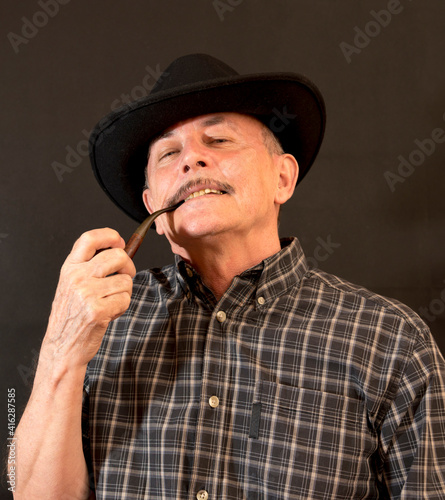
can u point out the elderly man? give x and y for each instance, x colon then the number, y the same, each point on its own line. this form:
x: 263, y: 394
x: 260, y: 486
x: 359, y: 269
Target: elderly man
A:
x: 237, y: 372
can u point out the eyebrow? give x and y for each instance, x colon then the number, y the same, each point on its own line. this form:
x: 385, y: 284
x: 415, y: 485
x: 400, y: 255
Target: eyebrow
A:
x: 214, y: 120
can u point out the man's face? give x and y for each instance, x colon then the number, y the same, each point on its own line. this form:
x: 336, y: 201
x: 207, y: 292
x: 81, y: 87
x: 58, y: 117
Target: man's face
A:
x: 222, y: 163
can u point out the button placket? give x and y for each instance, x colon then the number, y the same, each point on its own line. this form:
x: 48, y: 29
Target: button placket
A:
x: 211, y: 415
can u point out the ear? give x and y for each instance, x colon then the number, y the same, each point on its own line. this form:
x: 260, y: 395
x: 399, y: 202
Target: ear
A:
x: 288, y: 175
x: 148, y: 202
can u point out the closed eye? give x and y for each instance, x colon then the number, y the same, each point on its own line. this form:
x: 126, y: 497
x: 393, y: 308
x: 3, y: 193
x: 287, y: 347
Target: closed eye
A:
x: 218, y: 140
x: 167, y: 154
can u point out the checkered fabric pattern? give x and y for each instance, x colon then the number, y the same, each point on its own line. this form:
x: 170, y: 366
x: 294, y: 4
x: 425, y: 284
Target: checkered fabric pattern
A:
x: 294, y: 385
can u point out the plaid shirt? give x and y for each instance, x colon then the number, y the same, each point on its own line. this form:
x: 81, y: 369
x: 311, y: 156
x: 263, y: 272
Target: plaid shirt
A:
x: 294, y: 385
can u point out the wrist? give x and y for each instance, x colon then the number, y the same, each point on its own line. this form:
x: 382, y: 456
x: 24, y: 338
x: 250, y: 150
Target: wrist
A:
x: 54, y: 369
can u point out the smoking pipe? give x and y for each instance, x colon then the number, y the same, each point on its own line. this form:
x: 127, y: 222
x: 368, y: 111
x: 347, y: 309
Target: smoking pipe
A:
x: 138, y: 236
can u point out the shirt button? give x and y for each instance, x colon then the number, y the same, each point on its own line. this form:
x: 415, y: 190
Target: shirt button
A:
x: 214, y: 402
x: 202, y: 495
x: 221, y: 316
x: 261, y: 300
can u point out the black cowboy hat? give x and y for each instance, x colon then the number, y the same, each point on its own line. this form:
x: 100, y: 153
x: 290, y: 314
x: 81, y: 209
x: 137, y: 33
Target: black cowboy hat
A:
x: 193, y: 85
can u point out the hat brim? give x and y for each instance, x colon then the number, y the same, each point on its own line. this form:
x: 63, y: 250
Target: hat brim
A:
x: 289, y: 104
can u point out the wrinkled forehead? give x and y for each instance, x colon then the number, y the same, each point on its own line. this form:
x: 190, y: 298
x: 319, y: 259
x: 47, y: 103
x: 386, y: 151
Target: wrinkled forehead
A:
x: 235, y: 121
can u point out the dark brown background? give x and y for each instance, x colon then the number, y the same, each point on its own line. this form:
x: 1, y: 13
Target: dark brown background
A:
x: 58, y: 80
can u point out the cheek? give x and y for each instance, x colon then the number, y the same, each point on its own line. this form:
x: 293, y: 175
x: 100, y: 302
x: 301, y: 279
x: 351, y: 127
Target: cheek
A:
x: 240, y: 169
x: 157, y: 187
x: 257, y: 180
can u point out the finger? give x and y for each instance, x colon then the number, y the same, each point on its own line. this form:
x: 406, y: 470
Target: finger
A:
x: 95, y: 302
x: 114, y: 285
x: 95, y: 316
x: 86, y: 247
x: 129, y: 268
x: 116, y: 304
x: 111, y: 261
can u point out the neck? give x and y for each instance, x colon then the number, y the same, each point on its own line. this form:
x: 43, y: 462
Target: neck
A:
x: 219, y: 260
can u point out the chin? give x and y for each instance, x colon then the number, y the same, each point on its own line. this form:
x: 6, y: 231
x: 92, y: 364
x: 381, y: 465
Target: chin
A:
x: 196, y: 229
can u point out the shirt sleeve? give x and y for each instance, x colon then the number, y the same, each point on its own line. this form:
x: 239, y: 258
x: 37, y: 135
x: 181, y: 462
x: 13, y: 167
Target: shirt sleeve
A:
x: 86, y: 431
x: 413, y: 431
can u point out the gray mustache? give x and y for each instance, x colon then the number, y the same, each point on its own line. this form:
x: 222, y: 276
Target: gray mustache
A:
x: 199, y: 181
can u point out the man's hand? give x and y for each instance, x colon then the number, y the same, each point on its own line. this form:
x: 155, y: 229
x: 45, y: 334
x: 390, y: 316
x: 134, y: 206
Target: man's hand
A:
x: 94, y: 288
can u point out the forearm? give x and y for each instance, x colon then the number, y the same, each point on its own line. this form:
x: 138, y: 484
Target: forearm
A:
x: 94, y: 288
x: 50, y: 461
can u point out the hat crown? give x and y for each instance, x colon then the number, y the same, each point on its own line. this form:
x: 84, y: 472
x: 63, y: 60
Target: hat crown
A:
x: 191, y: 69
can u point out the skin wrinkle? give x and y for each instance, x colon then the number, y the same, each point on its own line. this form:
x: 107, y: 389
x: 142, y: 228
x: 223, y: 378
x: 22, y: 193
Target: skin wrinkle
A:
x: 271, y: 142
x: 218, y: 235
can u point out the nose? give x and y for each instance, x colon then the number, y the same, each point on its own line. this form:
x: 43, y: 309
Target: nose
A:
x: 199, y: 163
x: 193, y: 157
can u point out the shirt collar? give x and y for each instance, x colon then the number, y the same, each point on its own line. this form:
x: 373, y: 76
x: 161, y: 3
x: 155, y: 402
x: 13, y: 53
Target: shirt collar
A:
x: 283, y: 270
x: 268, y: 279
